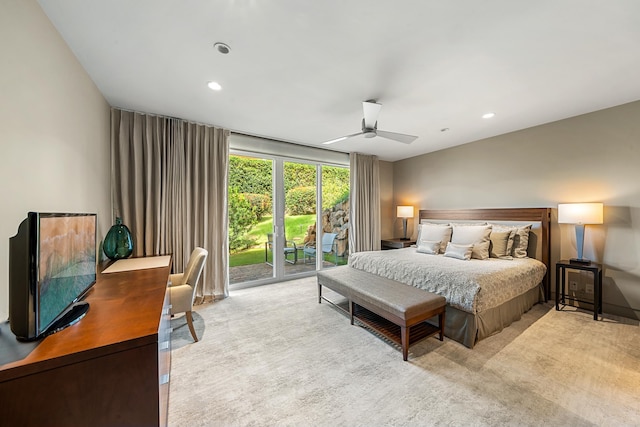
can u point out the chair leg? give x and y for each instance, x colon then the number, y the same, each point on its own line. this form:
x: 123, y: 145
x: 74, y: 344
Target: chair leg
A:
x: 190, y: 323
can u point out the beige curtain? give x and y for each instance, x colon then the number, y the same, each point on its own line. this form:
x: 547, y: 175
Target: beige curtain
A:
x: 169, y: 184
x: 365, y: 203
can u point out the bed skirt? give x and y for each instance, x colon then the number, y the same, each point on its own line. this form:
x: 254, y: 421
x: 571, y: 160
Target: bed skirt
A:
x: 468, y: 329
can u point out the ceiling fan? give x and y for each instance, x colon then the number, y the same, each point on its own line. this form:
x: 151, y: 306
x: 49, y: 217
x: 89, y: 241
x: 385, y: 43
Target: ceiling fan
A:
x: 371, y: 110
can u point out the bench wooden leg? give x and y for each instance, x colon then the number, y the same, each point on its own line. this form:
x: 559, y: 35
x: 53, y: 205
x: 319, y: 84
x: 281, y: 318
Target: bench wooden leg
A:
x: 319, y: 293
x: 351, y: 310
x: 441, y: 320
x: 404, y: 337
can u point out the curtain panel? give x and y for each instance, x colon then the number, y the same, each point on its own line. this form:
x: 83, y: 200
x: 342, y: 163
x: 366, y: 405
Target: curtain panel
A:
x: 169, y: 186
x: 365, y: 203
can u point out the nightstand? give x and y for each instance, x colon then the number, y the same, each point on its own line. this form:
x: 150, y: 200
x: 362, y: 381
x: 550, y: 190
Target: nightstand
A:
x: 396, y: 243
x: 595, y: 269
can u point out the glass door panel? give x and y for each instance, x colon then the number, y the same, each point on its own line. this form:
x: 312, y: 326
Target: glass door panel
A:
x: 335, y: 215
x: 300, y: 199
x: 250, y: 219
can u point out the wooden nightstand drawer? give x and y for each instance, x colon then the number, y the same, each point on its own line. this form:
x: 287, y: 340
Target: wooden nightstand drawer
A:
x: 396, y: 243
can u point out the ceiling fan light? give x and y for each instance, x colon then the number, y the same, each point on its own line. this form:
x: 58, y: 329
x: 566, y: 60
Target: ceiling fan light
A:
x: 369, y: 134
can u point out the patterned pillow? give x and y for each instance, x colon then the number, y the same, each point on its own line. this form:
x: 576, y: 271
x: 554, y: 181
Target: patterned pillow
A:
x: 520, y: 239
x: 521, y: 242
x: 476, y: 235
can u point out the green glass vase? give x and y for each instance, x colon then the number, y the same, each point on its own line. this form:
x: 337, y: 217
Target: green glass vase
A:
x: 118, y: 243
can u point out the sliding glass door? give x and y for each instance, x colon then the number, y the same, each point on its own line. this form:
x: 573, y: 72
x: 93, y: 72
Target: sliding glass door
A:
x: 275, y: 206
x: 300, y: 198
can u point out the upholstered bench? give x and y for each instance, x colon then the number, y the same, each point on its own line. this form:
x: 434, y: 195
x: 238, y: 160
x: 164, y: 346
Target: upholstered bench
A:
x: 393, y: 309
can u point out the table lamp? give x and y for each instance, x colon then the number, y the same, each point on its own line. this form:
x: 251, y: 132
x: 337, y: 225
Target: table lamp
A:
x: 580, y: 214
x: 404, y: 212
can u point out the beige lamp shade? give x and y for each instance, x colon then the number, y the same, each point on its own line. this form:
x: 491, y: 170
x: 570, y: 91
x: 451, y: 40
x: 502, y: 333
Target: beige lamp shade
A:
x: 404, y: 212
x: 580, y: 213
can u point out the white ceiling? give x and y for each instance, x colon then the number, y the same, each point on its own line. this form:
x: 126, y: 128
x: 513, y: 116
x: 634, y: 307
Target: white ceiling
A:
x: 298, y: 71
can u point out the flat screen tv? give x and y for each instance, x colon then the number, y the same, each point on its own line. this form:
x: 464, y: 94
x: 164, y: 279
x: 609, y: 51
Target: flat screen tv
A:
x: 52, y: 265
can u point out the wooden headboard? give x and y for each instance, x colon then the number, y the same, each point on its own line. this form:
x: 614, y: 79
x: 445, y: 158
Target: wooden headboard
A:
x: 541, y: 216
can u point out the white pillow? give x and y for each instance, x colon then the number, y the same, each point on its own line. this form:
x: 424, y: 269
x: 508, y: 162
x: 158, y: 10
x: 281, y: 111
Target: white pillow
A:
x: 435, y: 233
x: 476, y: 235
x: 429, y: 247
x: 462, y: 252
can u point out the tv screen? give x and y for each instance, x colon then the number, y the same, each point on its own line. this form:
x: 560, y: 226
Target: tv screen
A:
x: 52, y: 266
x: 66, y: 264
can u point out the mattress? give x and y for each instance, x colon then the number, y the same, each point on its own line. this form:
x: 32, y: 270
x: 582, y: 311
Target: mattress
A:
x: 472, y: 285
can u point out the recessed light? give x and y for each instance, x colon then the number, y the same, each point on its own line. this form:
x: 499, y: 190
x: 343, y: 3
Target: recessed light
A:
x: 214, y: 86
x: 222, y: 48
x: 488, y: 115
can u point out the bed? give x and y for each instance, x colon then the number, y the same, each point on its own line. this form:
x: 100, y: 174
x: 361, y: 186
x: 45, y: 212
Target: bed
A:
x: 483, y: 295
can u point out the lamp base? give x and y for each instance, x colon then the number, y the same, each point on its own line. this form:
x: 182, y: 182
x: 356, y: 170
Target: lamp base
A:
x: 581, y: 261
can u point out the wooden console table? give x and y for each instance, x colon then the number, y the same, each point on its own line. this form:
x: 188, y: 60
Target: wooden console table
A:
x: 110, y: 368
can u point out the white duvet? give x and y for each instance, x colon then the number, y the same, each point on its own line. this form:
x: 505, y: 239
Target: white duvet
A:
x: 472, y: 286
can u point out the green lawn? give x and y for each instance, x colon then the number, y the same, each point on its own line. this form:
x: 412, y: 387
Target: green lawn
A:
x: 296, y: 227
x: 247, y: 257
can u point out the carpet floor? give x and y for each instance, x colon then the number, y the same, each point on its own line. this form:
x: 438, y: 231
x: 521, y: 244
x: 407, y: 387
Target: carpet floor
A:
x: 273, y: 356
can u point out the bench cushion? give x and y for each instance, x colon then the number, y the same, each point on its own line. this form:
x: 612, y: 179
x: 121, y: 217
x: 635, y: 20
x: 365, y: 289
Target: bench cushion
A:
x: 403, y: 301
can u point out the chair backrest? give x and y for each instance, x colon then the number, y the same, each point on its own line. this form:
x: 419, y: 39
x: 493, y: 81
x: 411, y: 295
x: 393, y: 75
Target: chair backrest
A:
x: 194, y: 268
x: 327, y: 242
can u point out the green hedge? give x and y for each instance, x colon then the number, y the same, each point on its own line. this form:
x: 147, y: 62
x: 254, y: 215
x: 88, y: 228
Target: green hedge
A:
x: 261, y: 204
x: 301, y: 201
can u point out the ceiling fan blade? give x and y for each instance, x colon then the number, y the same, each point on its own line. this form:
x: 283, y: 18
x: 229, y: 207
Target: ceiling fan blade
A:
x: 400, y: 137
x: 342, y: 138
x: 371, y: 110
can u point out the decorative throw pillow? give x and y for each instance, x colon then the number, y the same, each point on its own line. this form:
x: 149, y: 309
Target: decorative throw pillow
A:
x: 512, y: 230
x: 501, y: 243
x: 428, y: 247
x: 462, y: 252
x: 435, y: 233
x: 476, y: 235
x: 520, y: 239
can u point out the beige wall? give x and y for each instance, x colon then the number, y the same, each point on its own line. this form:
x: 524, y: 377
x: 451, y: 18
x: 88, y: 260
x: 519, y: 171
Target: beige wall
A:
x: 593, y: 157
x: 54, y: 129
x: 386, y: 200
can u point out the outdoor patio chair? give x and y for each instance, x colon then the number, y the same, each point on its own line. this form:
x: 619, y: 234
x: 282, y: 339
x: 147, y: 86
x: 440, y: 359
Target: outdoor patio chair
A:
x: 290, y: 250
x: 328, y: 246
